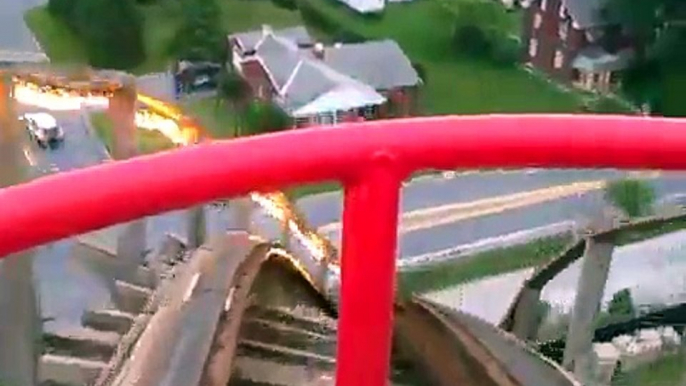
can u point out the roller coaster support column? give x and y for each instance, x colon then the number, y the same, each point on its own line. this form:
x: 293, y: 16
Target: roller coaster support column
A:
x: 197, y: 226
x: 131, y: 243
x: 19, y: 309
x: 589, y: 295
x: 370, y: 220
x: 244, y: 208
x: 526, y: 315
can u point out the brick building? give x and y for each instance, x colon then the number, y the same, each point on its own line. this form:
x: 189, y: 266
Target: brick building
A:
x: 567, y: 40
x: 317, y: 84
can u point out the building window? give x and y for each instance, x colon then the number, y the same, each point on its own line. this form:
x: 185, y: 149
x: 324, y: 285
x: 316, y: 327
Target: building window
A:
x: 533, y: 48
x: 576, y: 75
x: 559, y: 59
x: 563, y: 30
x: 538, y: 20
x: 544, y: 5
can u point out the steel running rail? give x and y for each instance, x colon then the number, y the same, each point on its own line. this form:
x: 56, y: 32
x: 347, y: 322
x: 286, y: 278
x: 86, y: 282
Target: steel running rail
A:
x: 370, y: 159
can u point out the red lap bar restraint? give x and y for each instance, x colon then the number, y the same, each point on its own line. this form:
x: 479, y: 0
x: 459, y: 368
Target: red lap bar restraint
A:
x: 370, y: 158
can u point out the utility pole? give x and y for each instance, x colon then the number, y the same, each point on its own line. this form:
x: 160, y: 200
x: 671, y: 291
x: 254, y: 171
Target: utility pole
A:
x: 20, y: 326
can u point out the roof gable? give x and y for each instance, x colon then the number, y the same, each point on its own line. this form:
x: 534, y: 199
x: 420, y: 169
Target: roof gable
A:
x: 249, y: 40
x: 279, y: 58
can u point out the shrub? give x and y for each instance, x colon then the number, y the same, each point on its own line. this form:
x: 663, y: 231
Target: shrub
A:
x: 506, y: 52
x: 421, y: 71
x: 319, y: 20
x: 286, y: 4
x: 633, y: 197
x: 262, y: 117
x: 480, y: 32
x: 471, y: 40
x: 112, y: 31
x: 200, y: 37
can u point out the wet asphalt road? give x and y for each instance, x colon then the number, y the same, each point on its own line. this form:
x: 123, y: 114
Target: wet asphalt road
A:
x: 14, y: 35
x: 70, y: 282
x: 430, y: 192
x: 68, y: 286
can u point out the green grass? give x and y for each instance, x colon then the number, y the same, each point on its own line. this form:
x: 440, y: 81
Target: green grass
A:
x: 423, y: 29
x: 667, y: 371
x: 311, y: 189
x: 219, y: 121
x: 59, y: 43
x: 148, y: 141
x: 447, y: 274
x: 160, y: 24
x: 625, y: 238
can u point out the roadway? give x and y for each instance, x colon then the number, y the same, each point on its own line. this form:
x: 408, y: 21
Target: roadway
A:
x: 81, y: 284
x: 14, y: 34
x: 70, y: 280
x: 510, y: 201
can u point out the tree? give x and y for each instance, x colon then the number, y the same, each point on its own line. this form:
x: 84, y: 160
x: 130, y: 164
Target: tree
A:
x: 639, y: 17
x: 658, y: 75
x: 480, y: 32
x: 235, y: 90
x: 112, y: 31
x: 200, y: 37
x: 263, y: 117
x: 632, y: 196
x: 64, y: 10
x: 621, y: 304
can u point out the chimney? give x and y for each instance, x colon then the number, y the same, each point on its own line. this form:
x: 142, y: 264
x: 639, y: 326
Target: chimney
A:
x: 266, y: 29
x: 318, y: 51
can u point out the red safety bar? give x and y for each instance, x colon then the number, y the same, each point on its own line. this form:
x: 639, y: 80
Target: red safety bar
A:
x: 370, y: 159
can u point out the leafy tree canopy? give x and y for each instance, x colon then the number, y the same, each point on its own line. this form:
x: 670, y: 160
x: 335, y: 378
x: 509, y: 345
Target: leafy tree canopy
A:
x: 658, y: 27
x: 622, y: 304
x: 201, y: 36
x: 112, y: 30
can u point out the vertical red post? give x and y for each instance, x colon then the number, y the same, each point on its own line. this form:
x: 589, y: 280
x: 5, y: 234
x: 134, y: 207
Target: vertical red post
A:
x: 370, y: 221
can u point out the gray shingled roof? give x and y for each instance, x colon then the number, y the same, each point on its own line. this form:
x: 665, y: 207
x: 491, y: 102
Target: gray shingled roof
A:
x: 298, y: 35
x: 380, y: 64
x: 279, y: 59
x: 308, y: 83
x: 586, y: 13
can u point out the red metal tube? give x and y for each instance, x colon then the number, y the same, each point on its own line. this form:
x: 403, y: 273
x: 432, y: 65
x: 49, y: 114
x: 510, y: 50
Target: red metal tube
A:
x: 97, y: 197
x: 365, y: 324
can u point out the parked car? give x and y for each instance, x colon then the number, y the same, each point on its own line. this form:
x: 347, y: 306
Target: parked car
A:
x: 43, y: 128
